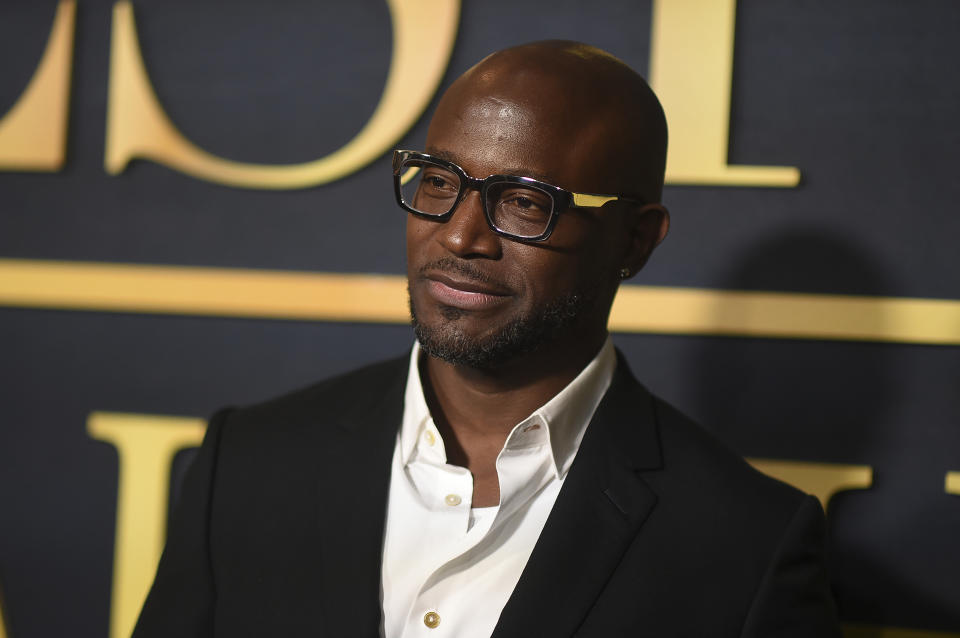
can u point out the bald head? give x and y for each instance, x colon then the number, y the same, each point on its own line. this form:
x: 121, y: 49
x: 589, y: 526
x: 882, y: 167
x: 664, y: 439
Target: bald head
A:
x: 587, y: 104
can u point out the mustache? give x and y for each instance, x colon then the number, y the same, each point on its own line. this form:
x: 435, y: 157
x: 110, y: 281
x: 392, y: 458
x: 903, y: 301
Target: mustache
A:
x: 465, y: 268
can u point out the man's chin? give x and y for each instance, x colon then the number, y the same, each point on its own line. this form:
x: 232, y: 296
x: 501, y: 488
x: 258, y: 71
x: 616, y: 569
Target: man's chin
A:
x: 447, y: 339
x: 448, y: 335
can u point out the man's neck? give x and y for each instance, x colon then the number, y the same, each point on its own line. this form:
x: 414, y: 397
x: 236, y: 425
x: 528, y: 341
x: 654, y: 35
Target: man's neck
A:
x: 475, y: 410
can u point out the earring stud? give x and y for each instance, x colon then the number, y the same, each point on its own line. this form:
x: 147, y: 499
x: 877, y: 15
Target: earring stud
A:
x: 624, y: 273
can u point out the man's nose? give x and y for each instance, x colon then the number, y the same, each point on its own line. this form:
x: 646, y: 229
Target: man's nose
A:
x: 466, y: 233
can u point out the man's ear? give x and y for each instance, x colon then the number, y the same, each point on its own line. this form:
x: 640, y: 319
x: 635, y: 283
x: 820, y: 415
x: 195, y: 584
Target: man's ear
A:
x: 648, y: 226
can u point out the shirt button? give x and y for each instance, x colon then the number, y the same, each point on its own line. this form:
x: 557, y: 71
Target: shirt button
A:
x: 452, y: 500
x: 431, y: 619
x: 431, y: 439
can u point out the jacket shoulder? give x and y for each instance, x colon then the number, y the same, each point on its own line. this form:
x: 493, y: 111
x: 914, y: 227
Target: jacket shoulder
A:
x: 691, y: 451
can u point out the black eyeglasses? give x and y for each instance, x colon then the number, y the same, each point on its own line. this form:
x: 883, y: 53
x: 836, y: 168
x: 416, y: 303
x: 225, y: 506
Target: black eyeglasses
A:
x: 516, y: 207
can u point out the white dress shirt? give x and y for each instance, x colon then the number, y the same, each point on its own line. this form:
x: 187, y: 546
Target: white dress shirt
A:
x: 448, y: 568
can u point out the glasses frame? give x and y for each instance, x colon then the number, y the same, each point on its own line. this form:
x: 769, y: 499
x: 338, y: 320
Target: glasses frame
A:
x: 562, y: 198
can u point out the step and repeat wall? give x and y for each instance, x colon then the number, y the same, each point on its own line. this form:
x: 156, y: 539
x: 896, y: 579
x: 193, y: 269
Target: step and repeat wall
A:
x: 196, y: 210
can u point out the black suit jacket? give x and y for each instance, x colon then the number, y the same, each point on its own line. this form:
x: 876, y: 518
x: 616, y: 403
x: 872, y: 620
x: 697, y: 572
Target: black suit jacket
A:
x: 658, y: 530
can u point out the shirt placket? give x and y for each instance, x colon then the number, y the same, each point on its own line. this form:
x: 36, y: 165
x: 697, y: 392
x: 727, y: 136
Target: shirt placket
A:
x: 524, y: 466
x: 447, y: 492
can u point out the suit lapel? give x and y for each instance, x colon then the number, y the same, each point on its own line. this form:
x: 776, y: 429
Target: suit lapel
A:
x: 353, y: 491
x: 599, y: 511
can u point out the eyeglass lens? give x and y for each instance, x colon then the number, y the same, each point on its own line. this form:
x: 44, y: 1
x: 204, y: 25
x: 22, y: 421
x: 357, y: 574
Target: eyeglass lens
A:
x: 516, y: 209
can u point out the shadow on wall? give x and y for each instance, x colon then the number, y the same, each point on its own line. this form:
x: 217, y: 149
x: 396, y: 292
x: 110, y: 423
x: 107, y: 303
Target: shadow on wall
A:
x: 841, y: 402
x: 788, y: 398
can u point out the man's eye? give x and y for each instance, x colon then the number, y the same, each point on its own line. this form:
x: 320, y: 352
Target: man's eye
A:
x: 438, y: 184
x: 522, y: 204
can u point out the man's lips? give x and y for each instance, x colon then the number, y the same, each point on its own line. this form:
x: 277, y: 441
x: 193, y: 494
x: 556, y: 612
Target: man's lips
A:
x: 464, y: 293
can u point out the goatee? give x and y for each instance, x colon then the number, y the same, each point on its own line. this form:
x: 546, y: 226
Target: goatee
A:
x: 522, y: 335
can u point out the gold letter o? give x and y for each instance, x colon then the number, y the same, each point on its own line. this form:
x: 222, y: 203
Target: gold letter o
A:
x: 137, y: 126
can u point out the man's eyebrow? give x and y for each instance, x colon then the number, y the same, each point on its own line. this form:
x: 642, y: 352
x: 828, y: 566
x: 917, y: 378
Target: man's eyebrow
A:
x: 520, y: 172
x: 442, y: 154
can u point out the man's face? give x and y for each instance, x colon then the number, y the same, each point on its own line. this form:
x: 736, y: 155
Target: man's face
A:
x: 480, y: 299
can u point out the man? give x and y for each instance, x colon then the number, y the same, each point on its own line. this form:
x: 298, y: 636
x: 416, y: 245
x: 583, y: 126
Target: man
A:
x: 510, y: 477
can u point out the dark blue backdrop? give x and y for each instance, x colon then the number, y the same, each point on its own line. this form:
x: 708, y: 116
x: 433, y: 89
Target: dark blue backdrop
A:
x: 862, y: 95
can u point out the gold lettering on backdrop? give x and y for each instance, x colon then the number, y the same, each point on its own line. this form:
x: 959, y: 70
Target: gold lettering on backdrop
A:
x: 823, y: 480
x: 137, y: 126
x: 33, y: 133
x: 691, y: 69
x: 952, y: 483
x: 146, y: 445
x: 321, y: 296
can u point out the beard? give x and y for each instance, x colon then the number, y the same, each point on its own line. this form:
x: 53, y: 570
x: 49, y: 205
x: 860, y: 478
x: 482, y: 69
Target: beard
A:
x: 521, y: 335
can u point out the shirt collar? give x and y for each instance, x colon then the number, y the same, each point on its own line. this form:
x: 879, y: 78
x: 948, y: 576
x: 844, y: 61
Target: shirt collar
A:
x: 562, y: 420
x: 416, y: 414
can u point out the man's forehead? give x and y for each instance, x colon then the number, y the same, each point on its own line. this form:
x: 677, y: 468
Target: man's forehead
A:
x: 516, y: 96
x: 512, y: 135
